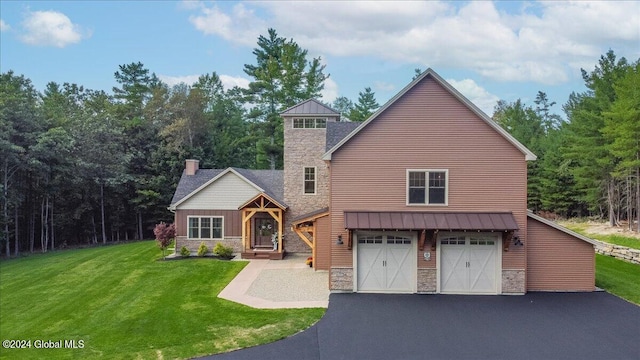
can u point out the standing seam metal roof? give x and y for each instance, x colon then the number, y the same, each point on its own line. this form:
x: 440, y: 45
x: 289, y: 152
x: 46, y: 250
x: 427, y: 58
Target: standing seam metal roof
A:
x: 429, y: 220
x: 310, y: 107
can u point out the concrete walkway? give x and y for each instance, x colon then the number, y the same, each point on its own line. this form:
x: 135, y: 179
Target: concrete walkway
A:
x: 279, y: 284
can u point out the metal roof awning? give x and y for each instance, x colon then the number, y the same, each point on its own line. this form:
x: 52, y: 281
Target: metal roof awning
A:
x: 413, y: 220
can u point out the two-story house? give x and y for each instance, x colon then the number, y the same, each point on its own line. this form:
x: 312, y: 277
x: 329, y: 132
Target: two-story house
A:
x: 428, y: 195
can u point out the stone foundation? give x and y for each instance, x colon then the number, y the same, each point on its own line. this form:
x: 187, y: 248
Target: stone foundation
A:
x: 341, y: 279
x: 233, y: 242
x: 427, y: 281
x: 513, y: 282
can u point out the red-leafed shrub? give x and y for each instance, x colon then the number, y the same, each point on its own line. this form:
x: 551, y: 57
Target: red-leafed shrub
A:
x: 165, y: 233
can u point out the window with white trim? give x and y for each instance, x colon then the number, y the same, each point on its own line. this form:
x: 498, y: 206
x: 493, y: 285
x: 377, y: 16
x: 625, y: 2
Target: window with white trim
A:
x: 309, y: 123
x: 309, y: 180
x: 205, y: 227
x: 427, y: 187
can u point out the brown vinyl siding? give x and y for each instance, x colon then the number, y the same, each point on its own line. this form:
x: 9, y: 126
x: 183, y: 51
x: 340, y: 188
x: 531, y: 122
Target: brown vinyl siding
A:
x: 323, y: 240
x: 428, y: 128
x: 232, y: 220
x: 558, y: 261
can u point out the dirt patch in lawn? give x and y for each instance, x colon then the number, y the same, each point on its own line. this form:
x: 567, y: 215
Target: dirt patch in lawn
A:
x: 601, y: 228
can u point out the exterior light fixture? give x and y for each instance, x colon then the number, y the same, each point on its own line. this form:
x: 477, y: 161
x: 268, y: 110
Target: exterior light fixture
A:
x: 517, y: 241
x: 339, y: 242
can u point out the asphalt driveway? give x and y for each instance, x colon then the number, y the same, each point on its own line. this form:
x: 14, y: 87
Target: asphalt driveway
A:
x: 534, y: 326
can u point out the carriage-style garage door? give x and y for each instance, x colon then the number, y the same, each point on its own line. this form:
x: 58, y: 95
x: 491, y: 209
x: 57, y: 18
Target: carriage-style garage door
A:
x: 385, y: 263
x: 469, y: 264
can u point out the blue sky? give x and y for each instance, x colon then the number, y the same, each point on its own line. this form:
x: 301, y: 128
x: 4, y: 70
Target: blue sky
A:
x: 487, y: 50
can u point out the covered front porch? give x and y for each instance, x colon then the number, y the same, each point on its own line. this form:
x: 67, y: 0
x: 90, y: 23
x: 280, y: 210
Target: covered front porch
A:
x: 262, y: 228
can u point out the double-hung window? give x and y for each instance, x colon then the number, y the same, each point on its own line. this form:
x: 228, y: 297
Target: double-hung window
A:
x: 427, y: 187
x: 309, y: 180
x: 206, y: 227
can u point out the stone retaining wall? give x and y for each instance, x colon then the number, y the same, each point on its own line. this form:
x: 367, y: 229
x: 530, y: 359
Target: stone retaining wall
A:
x: 618, y: 252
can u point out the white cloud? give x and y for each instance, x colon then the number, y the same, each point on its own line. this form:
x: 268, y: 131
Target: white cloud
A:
x: 230, y: 81
x: 51, y: 28
x: 476, y: 94
x: 240, y: 26
x: 227, y: 81
x: 330, y: 91
x: 175, y: 80
x: 4, y: 26
x: 541, y: 41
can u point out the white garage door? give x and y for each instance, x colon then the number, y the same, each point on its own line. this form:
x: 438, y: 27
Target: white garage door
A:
x: 469, y: 264
x: 385, y: 263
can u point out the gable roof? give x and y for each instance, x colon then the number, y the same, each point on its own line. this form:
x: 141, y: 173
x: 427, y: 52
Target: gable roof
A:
x: 429, y: 72
x: 310, y: 107
x: 561, y: 228
x: 189, y: 183
x: 337, y: 131
x: 270, y: 182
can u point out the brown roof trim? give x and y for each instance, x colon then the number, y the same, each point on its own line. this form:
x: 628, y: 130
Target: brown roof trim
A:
x: 528, y: 154
x: 413, y: 220
x: 310, y: 216
x: 561, y: 228
x: 278, y: 204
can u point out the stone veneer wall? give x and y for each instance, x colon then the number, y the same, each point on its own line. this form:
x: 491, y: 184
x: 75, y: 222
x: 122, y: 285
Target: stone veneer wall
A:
x: 234, y: 242
x: 341, y: 279
x: 513, y: 282
x: 427, y: 281
x: 303, y: 148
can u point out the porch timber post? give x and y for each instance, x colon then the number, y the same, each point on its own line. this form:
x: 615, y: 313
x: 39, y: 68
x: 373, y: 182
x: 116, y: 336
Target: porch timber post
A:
x: 246, y: 228
x: 280, y: 231
x: 313, y: 247
x: 244, y: 231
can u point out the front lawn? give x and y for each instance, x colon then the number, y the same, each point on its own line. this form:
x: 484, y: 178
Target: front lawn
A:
x: 618, y: 277
x: 124, y: 304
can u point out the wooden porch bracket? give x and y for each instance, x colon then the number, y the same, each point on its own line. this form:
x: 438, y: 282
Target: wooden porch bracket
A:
x: 433, y: 235
x: 507, y: 236
x: 301, y: 230
x: 422, y: 238
x: 349, y: 240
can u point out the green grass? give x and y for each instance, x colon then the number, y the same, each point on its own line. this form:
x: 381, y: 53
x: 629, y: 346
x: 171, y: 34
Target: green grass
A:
x: 582, y: 228
x: 124, y: 304
x: 618, y: 277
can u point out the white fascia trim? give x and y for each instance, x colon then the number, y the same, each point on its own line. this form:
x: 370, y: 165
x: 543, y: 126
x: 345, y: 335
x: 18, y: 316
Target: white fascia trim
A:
x: 528, y: 155
x: 226, y: 171
x: 561, y: 228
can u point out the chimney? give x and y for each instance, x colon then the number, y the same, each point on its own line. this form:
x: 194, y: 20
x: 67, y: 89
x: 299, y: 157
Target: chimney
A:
x: 191, y: 167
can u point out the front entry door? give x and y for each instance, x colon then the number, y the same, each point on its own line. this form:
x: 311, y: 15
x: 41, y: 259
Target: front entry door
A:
x: 265, y: 227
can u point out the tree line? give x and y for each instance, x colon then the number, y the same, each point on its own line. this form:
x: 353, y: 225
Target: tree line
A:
x: 588, y: 164
x: 82, y: 166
